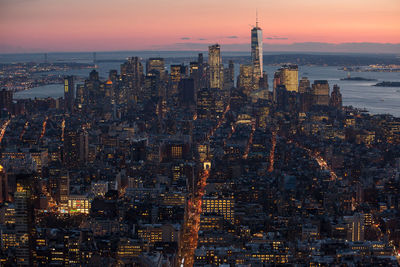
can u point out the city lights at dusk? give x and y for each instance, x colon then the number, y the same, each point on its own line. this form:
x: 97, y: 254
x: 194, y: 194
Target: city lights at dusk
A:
x: 179, y: 133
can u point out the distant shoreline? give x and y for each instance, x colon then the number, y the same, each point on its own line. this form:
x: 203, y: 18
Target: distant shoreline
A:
x: 358, y: 79
x: 388, y: 84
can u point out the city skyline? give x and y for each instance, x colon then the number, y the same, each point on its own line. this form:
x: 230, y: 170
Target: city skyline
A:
x: 191, y: 158
x: 41, y: 26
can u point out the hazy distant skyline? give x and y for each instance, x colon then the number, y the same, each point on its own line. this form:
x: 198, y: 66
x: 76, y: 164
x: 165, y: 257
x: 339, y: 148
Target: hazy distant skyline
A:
x: 295, y: 25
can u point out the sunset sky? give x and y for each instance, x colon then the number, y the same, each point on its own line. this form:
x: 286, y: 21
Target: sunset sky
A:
x: 100, y: 25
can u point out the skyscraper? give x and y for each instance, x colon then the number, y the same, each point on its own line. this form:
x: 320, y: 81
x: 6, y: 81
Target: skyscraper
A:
x: 245, y: 78
x: 132, y: 72
x: 187, y: 92
x: 229, y: 76
x: 336, y: 97
x: 71, y: 148
x: 3, y: 185
x: 151, y: 88
x: 203, y: 78
x: 157, y: 64
x: 205, y: 104
x: 194, y: 73
x: 320, y: 92
x: 69, y: 93
x: 303, y: 85
x: 215, y: 65
x: 63, y: 187
x: 6, y: 97
x: 356, y: 227
x: 23, y: 219
x: 288, y: 76
x: 178, y: 72
x: 257, y: 51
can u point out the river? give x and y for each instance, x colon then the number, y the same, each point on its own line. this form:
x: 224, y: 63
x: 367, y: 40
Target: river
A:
x: 360, y: 94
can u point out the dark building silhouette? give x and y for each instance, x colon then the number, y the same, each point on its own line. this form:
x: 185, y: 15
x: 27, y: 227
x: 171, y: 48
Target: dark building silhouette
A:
x: 306, y: 99
x: 113, y: 75
x: 320, y: 92
x: 151, y: 88
x: 138, y: 151
x: 263, y: 82
x: 229, y: 76
x: 336, y: 97
x: 71, y: 148
x: 187, y: 92
x: 3, y: 185
x: 286, y: 100
x: 6, y: 98
x: 194, y: 73
x: 69, y: 93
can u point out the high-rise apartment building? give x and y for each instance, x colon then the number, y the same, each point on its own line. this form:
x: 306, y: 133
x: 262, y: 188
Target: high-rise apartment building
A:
x: 215, y: 66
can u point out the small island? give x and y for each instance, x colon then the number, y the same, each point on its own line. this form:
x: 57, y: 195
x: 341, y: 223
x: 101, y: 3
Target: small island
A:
x: 357, y: 79
x: 388, y: 84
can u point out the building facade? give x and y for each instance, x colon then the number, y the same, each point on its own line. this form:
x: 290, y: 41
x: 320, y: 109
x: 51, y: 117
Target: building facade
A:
x: 215, y: 66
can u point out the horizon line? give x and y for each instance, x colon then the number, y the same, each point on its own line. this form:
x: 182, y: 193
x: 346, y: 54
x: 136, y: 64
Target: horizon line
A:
x: 169, y: 48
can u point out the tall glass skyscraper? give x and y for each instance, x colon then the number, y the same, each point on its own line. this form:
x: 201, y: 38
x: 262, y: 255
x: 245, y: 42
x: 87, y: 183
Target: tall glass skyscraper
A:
x: 216, y: 67
x: 257, y: 50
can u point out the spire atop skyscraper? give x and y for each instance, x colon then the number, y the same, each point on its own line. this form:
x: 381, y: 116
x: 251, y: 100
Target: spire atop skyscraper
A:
x: 256, y: 18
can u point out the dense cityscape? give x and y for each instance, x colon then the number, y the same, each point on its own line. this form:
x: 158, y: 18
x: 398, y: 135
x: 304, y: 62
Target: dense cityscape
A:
x: 188, y: 165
